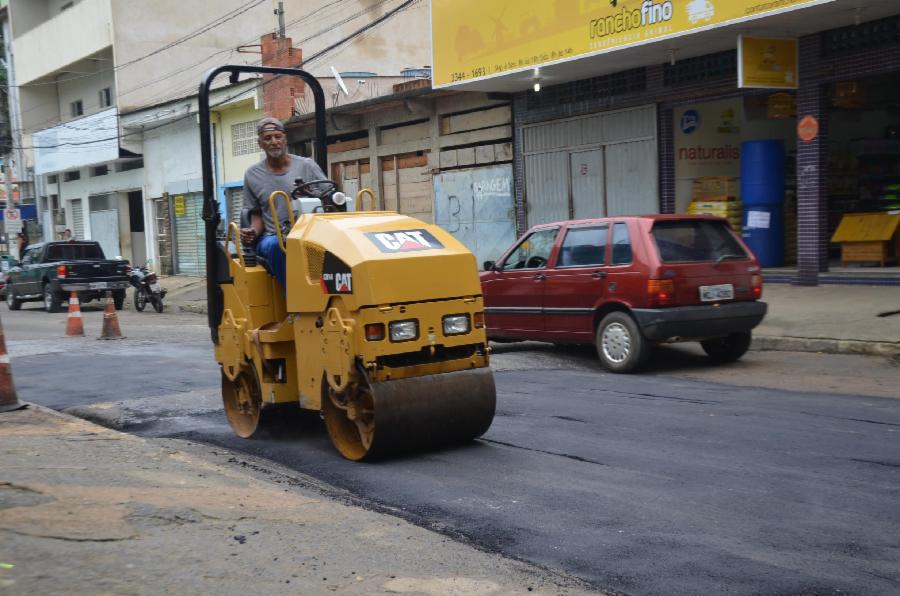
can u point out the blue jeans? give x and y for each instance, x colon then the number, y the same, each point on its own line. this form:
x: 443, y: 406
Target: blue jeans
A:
x: 269, y: 249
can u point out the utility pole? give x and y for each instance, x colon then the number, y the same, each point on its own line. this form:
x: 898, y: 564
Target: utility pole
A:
x: 281, y: 28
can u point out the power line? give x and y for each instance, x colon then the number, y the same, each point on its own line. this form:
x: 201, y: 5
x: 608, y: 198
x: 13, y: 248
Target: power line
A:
x: 315, y: 56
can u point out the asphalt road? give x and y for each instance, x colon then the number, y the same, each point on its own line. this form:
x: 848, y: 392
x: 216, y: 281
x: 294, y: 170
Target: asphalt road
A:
x: 650, y: 484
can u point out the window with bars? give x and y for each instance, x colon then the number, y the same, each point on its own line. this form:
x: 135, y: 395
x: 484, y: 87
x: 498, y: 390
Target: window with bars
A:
x: 243, y: 138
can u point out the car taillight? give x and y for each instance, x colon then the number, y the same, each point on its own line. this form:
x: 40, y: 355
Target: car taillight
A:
x: 661, y: 291
x: 375, y: 331
x: 756, y: 286
x: 61, y: 271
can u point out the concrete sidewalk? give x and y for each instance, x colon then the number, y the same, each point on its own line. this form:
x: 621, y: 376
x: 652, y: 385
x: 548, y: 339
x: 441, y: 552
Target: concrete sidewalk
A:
x: 88, y: 510
x: 835, y: 319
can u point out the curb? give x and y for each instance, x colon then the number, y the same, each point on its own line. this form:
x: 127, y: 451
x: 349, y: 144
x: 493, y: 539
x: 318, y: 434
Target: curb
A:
x: 760, y: 342
x: 828, y: 346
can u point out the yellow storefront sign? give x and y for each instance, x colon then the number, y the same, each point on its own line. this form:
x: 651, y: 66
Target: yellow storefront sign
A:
x: 180, y: 206
x: 477, y: 39
x: 767, y: 63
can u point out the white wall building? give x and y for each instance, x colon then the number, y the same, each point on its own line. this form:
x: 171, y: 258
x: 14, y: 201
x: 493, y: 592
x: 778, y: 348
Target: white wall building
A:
x: 87, y: 70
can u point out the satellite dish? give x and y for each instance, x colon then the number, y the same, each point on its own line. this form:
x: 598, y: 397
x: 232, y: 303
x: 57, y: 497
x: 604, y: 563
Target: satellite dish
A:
x: 340, y: 81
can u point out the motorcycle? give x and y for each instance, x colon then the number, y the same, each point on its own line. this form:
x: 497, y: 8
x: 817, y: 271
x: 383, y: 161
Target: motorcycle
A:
x: 146, y: 288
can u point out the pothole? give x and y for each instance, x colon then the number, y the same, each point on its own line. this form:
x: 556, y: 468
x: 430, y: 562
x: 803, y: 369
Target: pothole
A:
x: 12, y: 495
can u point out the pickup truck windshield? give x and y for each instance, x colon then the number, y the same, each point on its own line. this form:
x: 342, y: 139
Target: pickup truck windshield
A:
x: 691, y: 241
x: 73, y: 251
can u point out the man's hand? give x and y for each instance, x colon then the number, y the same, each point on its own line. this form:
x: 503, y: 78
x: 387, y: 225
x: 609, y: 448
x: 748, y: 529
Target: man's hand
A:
x: 248, y: 236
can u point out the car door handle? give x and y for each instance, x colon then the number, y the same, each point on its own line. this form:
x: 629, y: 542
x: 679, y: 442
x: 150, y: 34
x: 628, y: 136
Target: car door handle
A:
x: 539, y: 277
x: 599, y: 274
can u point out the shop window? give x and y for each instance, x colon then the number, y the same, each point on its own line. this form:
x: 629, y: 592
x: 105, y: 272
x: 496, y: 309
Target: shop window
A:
x: 701, y: 69
x: 243, y: 138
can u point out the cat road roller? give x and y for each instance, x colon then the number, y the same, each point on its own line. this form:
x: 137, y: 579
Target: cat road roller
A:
x: 380, y: 328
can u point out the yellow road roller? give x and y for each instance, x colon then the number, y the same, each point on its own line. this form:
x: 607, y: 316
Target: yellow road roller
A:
x: 380, y: 327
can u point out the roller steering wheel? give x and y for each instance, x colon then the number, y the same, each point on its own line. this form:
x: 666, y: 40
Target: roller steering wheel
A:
x: 305, y: 189
x: 324, y: 190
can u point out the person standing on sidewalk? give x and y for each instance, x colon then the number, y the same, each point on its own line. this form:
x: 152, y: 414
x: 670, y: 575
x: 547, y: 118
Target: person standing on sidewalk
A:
x: 276, y: 172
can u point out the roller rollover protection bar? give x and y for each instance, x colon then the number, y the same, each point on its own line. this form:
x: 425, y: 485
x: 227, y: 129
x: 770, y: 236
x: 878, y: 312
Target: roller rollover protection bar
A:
x: 210, y: 200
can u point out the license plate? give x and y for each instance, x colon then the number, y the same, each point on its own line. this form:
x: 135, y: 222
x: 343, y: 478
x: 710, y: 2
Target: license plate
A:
x: 99, y: 285
x: 714, y: 293
x: 155, y: 287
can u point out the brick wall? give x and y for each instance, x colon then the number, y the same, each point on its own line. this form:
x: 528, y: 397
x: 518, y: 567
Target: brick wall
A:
x: 280, y: 93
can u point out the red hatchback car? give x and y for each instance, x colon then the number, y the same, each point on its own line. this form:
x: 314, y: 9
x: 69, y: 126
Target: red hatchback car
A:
x: 625, y: 284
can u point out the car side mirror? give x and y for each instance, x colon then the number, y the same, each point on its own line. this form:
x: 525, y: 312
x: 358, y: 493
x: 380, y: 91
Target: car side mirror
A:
x: 490, y: 266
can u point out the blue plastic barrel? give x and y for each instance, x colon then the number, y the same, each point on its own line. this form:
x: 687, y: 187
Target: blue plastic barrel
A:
x: 763, y: 231
x: 762, y: 195
x: 762, y: 172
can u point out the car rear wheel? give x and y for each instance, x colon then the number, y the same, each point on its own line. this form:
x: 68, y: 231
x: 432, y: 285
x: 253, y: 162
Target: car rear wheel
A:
x: 119, y: 299
x: 11, y: 301
x: 620, y: 345
x: 51, y: 299
x: 728, y: 348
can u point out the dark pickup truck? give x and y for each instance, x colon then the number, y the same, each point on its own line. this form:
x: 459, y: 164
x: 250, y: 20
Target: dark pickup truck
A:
x: 51, y: 270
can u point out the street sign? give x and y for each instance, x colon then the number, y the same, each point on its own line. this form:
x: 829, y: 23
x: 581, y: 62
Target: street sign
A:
x: 13, y: 220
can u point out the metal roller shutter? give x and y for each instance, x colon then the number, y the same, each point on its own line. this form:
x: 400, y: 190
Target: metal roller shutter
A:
x: 589, y: 166
x: 77, y: 219
x: 190, y: 250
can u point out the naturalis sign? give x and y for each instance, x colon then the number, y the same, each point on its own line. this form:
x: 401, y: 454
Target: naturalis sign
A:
x: 477, y: 39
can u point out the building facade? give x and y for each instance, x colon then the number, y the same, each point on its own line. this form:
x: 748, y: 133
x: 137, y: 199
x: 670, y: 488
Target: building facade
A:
x: 657, y: 111
x: 102, y: 153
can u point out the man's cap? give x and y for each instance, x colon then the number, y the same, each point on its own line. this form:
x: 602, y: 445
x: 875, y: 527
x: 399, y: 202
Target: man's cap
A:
x: 267, y: 124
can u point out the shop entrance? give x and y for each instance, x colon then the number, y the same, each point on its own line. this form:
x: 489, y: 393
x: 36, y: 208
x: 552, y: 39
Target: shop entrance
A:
x: 863, y: 171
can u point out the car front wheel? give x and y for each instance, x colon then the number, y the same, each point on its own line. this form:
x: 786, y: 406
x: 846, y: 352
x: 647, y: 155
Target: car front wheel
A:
x: 620, y: 345
x: 728, y: 348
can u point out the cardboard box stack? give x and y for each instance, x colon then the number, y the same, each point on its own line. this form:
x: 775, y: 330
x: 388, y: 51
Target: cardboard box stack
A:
x: 717, y: 195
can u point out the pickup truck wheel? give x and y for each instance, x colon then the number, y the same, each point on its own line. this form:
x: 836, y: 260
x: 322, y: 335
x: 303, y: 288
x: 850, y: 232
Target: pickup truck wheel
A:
x: 729, y: 348
x: 51, y: 299
x: 119, y: 299
x: 621, y: 346
x: 11, y: 301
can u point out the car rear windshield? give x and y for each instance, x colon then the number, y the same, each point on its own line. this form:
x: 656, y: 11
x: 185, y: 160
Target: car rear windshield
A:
x: 73, y: 252
x: 696, y: 241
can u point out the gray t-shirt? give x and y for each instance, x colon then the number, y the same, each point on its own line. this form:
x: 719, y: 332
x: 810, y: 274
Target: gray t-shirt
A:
x: 260, y: 182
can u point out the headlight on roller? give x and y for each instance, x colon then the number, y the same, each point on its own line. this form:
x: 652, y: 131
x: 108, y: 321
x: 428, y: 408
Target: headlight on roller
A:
x: 404, y: 330
x: 456, y: 324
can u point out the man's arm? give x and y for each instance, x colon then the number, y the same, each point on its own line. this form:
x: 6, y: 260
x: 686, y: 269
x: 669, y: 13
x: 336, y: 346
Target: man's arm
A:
x: 250, y: 235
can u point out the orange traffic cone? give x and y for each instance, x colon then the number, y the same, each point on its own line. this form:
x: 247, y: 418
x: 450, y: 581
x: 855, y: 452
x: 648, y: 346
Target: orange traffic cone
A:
x: 74, y: 326
x: 8, y: 398
x: 110, y: 320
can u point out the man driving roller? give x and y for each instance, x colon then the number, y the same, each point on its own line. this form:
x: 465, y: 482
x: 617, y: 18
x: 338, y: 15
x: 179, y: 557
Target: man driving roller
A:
x: 276, y: 172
